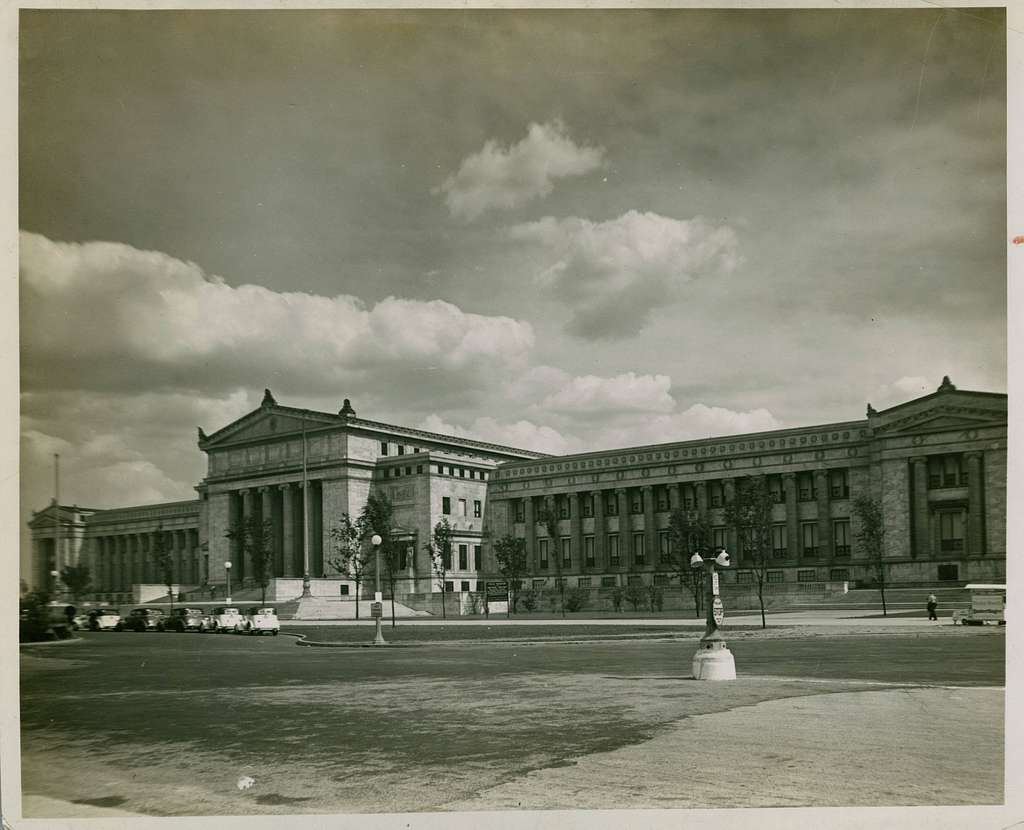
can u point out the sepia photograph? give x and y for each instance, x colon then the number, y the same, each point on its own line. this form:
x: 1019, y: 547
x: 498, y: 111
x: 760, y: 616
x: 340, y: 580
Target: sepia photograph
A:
x: 549, y: 417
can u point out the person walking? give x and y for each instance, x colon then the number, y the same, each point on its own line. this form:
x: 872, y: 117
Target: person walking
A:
x: 933, y: 603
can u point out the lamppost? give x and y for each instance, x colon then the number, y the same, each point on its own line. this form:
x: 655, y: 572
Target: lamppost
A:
x: 713, y: 660
x: 378, y: 597
x: 227, y: 570
x: 54, y: 577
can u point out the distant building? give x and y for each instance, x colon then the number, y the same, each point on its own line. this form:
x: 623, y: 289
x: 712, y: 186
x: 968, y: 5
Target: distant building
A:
x: 937, y: 464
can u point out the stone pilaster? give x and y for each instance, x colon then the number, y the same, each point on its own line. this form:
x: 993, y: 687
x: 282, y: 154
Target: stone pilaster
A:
x: 919, y: 482
x: 220, y: 549
x: 288, y: 531
x: 731, y: 541
x: 530, y: 517
x: 821, y: 494
x: 650, y: 534
x: 794, y: 544
x: 975, y: 504
x: 267, y: 514
x: 700, y: 497
x: 576, y: 532
x: 625, y: 529
x: 244, y: 565
x: 600, y: 530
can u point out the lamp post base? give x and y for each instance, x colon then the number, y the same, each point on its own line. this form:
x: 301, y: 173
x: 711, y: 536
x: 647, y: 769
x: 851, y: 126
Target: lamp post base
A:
x: 713, y: 661
x: 305, y: 587
x: 378, y: 639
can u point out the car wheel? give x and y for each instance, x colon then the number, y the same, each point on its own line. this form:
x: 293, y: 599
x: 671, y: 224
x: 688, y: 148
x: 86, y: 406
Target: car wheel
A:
x: 274, y: 633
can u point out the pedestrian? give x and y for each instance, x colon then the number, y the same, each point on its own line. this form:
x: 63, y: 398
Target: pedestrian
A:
x: 933, y: 603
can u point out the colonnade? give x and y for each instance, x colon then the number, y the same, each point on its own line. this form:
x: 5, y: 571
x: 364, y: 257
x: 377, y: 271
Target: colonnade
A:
x: 124, y: 559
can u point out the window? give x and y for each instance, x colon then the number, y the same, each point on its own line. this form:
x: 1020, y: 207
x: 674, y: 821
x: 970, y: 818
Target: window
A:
x: 805, y: 487
x: 744, y: 577
x: 689, y: 497
x: 776, y: 576
x: 404, y: 557
x: 542, y: 548
x: 838, y: 484
x: 583, y: 582
x: 588, y: 505
x: 446, y: 505
x: 463, y: 557
x: 401, y: 449
x: 451, y: 470
x: 634, y: 579
x: 951, y: 530
x: 778, y: 541
x: 607, y: 581
x: 588, y: 551
x: 408, y: 471
x: 344, y: 588
x: 611, y: 505
x: 613, y: 549
x: 718, y: 537
x: 716, y: 494
x: 663, y: 499
x: 483, y: 475
x: 464, y: 586
x: 946, y: 471
x: 520, y: 511
x: 805, y: 576
x: 383, y: 447
x: 664, y: 546
x: 949, y: 573
x: 462, y: 472
x: 662, y: 579
x: 477, y: 508
x: 462, y: 507
x: 440, y: 469
x: 809, y: 534
x: 775, y: 488
x: 636, y: 503
x: 841, y: 537
x: 639, y: 554
x: 478, y: 558
x: 446, y: 557
x: 839, y: 575
x: 566, y: 552
x: 560, y: 582
x: 563, y: 507
x: 419, y: 468
x: 449, y: 587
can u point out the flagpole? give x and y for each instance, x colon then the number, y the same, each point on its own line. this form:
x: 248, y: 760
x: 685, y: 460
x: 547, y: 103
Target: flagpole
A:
x: 305, y: 515
x: 56, y: 515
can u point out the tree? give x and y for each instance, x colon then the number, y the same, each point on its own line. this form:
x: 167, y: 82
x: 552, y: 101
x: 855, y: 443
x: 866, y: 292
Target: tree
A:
x: 440, y: 550
x: 377, y: 518
x: 349, y: 552
x: 750, y: 513
x: 547, y: 517
x: 510, y: 554
x: 255, y: 537
x: 871, y: 537
x: 77, y: 579
x: 688, y: 533
x: 163, y: 558
x: 634, y: 594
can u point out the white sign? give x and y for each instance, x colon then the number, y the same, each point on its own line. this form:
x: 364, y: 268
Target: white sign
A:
x: 378, y: 597
x: 714, y: 583
x: 717, y: 611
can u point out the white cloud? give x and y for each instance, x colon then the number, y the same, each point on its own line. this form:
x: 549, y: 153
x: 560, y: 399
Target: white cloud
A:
x: 500, y: 177
x: 613, y: 274
x: 522, y: 434
x: 902, y: 390
x: 590, y: 395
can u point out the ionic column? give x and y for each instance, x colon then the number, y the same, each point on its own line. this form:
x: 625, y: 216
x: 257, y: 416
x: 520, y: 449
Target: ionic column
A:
x: 600, y: 530
x: 650, y: 535
x: 824, y: 521
x: 530, y: 517
x: 675, y: 496
x: 287, y: 532
x: 794, y: 544
x: 625, y: 529
x: 919, y: 479
x: 700, y: 497
x: 975, y: 504
x: 576, y: 531
x: 248, y: 511
x: 267, y: 514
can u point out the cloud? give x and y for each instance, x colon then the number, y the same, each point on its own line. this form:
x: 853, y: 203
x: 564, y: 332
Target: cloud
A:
x: 502, y: 178
x: 522, y: 434
x: 613, y: 274
x: 589, y: 395
x: 902, y: 390
x: 106, y: 316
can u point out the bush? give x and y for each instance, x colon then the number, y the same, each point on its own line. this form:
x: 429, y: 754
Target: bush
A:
x: 635, y: 595
x: 576, y: 599
x: 35, y: 624
x: 529, y: 599
x: 617, y: 597
x: 655, y: 597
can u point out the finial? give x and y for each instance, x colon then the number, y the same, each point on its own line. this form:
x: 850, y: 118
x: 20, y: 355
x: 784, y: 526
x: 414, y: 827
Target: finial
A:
x: 268, y: 399
x: 946, y: 385
x: 871, y: 410
x: 202, y: 435
x: 346, y: 410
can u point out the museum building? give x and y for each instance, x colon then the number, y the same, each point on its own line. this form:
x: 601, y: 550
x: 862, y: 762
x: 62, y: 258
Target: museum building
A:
x: 937, y: 465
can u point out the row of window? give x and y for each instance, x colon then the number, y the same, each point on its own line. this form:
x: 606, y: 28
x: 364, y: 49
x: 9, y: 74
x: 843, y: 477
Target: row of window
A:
x: 463, y: 554
x: 446, y: 507
x: 441, y: 469
x: 946, y: 471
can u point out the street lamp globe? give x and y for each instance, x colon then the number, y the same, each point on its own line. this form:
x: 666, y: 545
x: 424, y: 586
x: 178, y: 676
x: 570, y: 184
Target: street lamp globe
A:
x: 696, y: 560
x: 227, y: 566
x: 375, y: 540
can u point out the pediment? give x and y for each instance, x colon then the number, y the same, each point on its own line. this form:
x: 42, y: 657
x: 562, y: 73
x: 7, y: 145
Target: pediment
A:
x: 266, y: 423
x: 943, y: 420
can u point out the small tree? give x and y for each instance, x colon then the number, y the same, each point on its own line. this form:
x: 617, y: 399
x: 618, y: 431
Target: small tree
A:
x: 349, y: 553
x: 635, y: 595
x: 163, y: 558
x: 750, y: 513
x: 255, y: 537
x: 871, y: 538
x: 510, y: 554
x: 378, y: 518
x: 688, y: 533
x: 440, y: 550
x: 77, y: 579
x: 547, y: 517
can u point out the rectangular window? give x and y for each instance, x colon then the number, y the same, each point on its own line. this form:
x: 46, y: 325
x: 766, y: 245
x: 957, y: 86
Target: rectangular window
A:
x: 778, y: 541
x: 462, y: 472
x: 636, y: 503
x: 563, y: 507
x: 775, y: 576
x: 839, y: 575
x: 560, y: 581
x: 446, y: 505
x: 464, y: 586
x: 449, y: 587
x: 607, y: 581
x: 809, y: 534
x: 805, y: 487
x: 775, y: 488
x: 744, y: 577
x: 462, y: 507
x: 542, y: 548
x: 566, y: 552
x: 806, y: 576
x: 440, y: 469
x: 951, y: 530
x: 664, y: 546
x: 613, y: 549
x: 838, y: 484
x: 419, y: 468
x: 463, y: 557
x: 638, y: 549
x: 718, y: 537
x: 588, y: 551
x: 583, y: 582
x: 588, y: 505
x: 634, y: 579
x: 716, y: 493
x: 841, y: 537
x: 611, y: 505
x: 383, y: 447
x: 520, y: 511
x: 451, y: 469
x: 689, y: 497
x: 401, y: 449
x: 949, y: 573
x: 446, y: 557
x: 538, y: 583
x: 662, y: 579
x: 478, y: 558
x: 663, y: 499
x: 408, y: 471
x: 477, y: 508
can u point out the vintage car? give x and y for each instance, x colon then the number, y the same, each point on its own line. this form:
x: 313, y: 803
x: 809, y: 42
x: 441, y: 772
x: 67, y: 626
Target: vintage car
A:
x: 988, y: 605
x: 104, y: 619
x: 142, y: 619
x: 80, y: 621
x: 259, y: 620
x: 183, y: 619
x: 224, y: 618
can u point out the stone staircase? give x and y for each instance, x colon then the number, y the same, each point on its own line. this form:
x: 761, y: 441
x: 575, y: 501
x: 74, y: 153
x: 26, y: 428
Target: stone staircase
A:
x: 329, y: 608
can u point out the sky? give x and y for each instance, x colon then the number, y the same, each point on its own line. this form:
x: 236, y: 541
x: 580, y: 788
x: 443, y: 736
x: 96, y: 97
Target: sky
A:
x: 556, y: 230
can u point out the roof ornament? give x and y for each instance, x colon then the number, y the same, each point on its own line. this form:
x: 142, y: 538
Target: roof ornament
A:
x: 202, y: 435
x: 871, y: 410
x: 346, y: 410
x: 946, y: 385
x: 268, y: 399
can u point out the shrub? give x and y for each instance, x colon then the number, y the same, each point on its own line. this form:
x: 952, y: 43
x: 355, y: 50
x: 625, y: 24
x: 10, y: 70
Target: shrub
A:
x: 635, y: 595
x: 576, y: 599
x: 35, y: 623
x: 655, y: 597
x: 617, y: 597
x: 529, y: 599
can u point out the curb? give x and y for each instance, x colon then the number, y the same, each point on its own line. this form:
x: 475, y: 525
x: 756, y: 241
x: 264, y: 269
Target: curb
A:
x: 52, y: 642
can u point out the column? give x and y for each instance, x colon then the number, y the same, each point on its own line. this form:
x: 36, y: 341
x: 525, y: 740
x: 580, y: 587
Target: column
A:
x: 919, y: 483
x: 531, y: 534
x: 244, y: 567
x: 316, y: 529
x: 267, y: 514
x: 600, y: 530
x: 675, y: 496
x: 234, y: 547
x: 287, y: 531
x: 700, y: 497
x: 625, y: 530
x: 975, y: 505
x: 732, y: 542
x: 794, y: 544
x: 178, y: 543
x: 576, y: 532
x: 821, y: 496
x: 650, y: 534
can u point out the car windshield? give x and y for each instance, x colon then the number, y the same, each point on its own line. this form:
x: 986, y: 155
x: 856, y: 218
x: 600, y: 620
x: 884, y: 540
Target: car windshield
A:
x: 230, y: 611
x: 264, y: 610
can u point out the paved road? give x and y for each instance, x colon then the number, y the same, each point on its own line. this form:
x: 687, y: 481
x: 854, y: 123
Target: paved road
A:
x: 175, y: 719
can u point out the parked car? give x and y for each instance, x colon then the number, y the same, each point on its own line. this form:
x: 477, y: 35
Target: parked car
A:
x: 80, y: 621
x: 104, y: 619
x: 225, y: 618
x: 259, y: 620
x: 143, y: 619
x: 183, y: 619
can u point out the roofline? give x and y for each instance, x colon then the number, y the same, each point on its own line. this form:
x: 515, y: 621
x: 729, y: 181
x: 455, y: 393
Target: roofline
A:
x: 100, y: 513
x: 938, y: 392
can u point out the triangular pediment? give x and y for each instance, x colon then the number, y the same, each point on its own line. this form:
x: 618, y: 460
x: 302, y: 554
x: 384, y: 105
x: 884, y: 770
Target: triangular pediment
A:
x: 267, y: 423
x: 942, y: 420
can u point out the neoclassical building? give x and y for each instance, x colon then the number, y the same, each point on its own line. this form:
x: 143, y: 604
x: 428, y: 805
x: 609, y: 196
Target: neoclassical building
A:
x: 937, y: 464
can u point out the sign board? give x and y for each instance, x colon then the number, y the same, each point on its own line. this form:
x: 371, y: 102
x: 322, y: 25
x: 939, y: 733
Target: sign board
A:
x: 496, y: 591
x: 717, y: 611
x: 376, y: 609
x: 714, y: 583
